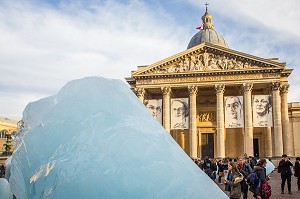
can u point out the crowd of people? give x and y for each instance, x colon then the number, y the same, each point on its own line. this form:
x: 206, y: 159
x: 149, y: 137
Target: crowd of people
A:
x: 245, y: 174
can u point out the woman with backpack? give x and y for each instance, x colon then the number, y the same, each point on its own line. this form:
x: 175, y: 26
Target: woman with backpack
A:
x: 233, y: 181
x: 258, y: 181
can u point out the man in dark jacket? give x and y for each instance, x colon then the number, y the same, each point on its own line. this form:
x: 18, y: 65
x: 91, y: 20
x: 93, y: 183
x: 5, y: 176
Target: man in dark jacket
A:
x: 286, y: 173
x: 297, y: 171
x: 245, y: 169
x: 207, y: 166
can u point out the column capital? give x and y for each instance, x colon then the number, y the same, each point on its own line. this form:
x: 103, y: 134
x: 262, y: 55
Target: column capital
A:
x: 285, y: 88
x: 267, y: 91
x: 166, y: 90
x: 275, y: 86
x: 140, y: 92
x: 247, y: 87
x: 220, y: 88
x: 193, y: 89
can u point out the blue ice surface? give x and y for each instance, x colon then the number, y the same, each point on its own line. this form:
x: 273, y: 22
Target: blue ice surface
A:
x: 5, y: 192
x: 95, y: 139
x: 269, y: 167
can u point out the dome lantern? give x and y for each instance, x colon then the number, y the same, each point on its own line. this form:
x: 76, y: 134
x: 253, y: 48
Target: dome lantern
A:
x: 207, y: 33
x: 207, y: 20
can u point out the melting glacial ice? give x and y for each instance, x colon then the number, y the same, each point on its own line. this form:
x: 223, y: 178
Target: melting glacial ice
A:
x: 95, y: 139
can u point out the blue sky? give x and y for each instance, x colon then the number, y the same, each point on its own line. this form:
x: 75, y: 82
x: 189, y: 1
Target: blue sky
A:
x: 45, y: 44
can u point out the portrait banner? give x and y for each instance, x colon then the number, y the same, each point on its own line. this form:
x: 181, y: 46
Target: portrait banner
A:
x: 180, y: 113
x: 155, y: 108
x: 234, y: 112
x: 262, y: 111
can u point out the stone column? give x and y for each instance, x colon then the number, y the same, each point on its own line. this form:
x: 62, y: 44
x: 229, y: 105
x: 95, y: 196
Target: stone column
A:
x: 278, y: 151
x: 193, y: 90
x: 220, y: 88
x: 248, y: 129
x: 182, y: 140
x: 140, y: 92
x: 268, y: 141
x: 287, y: 136
x: 200, y: 144
x: 166, y: 107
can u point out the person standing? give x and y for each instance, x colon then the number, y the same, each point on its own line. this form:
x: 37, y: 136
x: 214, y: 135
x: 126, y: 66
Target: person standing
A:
x: 297, y: 171
x: 214, y: 169
x: 233, y: 180
x: 220, y: 170
x: 245, y: 169
x: 286, y: 173
x: 262, y: 178
x: 207, y: 166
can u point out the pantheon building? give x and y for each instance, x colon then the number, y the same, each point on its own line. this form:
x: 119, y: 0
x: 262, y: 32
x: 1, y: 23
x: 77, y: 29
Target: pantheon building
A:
x: 219, y: 102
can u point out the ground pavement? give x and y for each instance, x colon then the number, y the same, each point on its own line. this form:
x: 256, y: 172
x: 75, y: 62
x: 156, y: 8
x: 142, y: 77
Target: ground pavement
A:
x: 275, y: 182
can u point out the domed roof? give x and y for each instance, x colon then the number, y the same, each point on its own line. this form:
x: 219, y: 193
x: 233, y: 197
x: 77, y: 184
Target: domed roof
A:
x: 209, y: 36
x: 207, y: 33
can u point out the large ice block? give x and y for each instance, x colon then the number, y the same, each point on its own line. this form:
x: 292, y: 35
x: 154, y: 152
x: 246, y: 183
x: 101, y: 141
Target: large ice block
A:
x: 95, y: 139
x: 5, y: 192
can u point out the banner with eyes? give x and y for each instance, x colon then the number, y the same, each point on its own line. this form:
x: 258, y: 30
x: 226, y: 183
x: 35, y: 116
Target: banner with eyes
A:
x: 155, y: 108
x: 180, y: 113
x: 234, y: 112
x: 262, y: 111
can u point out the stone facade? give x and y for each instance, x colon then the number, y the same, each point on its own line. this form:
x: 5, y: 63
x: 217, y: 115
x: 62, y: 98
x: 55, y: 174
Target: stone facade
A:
x: 207, y: 74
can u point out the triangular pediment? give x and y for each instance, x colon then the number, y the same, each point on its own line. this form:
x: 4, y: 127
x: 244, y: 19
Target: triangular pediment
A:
x: 207, y: 57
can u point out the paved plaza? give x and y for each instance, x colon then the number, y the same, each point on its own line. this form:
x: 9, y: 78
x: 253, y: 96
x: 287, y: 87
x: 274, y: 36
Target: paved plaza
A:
x: 275, y: 182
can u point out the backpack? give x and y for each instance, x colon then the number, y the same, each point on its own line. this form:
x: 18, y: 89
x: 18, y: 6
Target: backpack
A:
x: 266, y: 190
x: 253, y: 179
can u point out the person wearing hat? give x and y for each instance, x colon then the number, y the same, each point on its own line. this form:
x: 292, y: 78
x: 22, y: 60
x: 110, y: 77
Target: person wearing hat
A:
x: 286, y: 173
x: 297, y: 171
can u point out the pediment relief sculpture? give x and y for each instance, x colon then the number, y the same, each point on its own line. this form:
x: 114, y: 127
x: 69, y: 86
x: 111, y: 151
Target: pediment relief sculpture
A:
x: 203, y: 62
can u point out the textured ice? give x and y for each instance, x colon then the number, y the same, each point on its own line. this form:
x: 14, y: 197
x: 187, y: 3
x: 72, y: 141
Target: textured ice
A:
x: 269, y: 167
x: 95, y: 139
x: 7, y: 170
x: 5, y: 192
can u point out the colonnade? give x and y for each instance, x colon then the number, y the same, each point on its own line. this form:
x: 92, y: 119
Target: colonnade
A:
x: 282, y: 136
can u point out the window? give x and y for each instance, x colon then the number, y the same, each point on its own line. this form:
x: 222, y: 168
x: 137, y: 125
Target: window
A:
x: 3, y: 134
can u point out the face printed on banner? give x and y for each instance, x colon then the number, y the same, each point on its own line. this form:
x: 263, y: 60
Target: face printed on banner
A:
x: 262, y: 105
x: 234, y: 112
x: 179, y: 109
x: 155, y: 108
x: 180, y: 113
x: 262, y: 111
x: 234, y: 107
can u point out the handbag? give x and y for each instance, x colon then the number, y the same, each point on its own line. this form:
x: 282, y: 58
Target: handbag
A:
x: 238, y: 179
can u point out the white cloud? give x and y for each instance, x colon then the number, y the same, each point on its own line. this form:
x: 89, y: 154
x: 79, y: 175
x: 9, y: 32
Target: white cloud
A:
x: 41, y: 48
